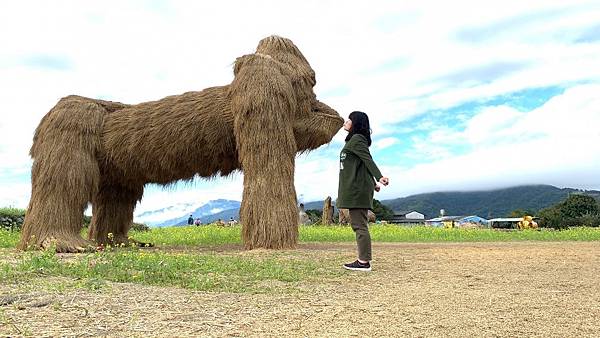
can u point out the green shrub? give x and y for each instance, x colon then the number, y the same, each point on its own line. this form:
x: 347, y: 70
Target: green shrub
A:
x: 382, y: 212
x: 583, y: 221
x: 577, y: 205
x: 576, y: 210
x: 139, y: 227
x: 86, y: 221
x: 11, y: 218
x: 314, y: 215
x: 519, y: 213
x: 552, y: 218
x: 12, y: 212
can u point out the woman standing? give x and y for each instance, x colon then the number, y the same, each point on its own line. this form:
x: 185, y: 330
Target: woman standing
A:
x: 358, y: 179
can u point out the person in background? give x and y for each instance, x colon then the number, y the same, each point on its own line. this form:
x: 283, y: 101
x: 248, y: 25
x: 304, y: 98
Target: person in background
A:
x: 358, y: 179
x: 191, y: 220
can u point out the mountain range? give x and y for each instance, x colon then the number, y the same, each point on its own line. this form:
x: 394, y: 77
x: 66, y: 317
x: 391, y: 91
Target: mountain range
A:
x: 207, y: 212
x: 487, y: 204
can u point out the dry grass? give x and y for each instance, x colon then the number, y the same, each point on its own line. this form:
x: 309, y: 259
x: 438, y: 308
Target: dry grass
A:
x: 543, y: 289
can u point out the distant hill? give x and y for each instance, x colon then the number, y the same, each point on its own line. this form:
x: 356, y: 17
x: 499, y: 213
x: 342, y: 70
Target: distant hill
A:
x: 208, y: 212
x: 224, y: 215
x: 316, y: 205
x: 156, y: 216
x: 487, y: 204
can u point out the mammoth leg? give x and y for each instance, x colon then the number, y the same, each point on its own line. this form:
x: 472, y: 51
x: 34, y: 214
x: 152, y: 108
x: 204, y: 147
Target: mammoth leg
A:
x: 112, y: 213
x: 64, y: 176
x: 263, y: 102
x: 55, y: 212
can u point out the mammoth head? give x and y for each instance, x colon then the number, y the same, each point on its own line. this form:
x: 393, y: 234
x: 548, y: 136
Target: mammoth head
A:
x: 315, y: 123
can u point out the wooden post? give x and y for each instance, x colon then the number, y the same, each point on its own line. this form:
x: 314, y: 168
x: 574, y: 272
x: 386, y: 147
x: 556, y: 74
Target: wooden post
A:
x: 327, y: 212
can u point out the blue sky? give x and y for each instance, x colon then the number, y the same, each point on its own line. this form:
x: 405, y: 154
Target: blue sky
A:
x: 461, y: 95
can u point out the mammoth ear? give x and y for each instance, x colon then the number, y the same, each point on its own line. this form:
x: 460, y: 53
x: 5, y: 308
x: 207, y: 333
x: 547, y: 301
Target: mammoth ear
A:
x: 263, y: 103
x: 239, y: 63
x: 260, y: 88
x: 248, y: 59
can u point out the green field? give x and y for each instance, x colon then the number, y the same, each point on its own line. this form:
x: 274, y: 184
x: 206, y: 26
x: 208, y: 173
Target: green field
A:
x: 211, y: 235
x: 193, y: 257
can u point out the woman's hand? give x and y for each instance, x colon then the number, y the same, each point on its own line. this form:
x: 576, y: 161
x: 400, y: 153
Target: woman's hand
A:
x: 377, y: 187
x: 384, y: 180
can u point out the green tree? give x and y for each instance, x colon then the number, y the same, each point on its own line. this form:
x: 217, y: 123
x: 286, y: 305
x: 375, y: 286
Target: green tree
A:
x: 576, y: 210
x: 520, y: 213
x: 551, y: 218
x: 577, y: 205
x: 381, y: 211
x: 314, y: 215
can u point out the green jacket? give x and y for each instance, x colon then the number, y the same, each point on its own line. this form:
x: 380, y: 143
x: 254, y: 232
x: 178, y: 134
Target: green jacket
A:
x: 357, y: 171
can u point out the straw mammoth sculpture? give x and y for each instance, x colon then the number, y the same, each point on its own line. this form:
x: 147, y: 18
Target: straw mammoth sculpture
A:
x: 100, y: 152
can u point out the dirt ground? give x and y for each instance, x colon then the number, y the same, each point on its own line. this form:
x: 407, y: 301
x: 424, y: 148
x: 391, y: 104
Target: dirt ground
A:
x: 522, y: 289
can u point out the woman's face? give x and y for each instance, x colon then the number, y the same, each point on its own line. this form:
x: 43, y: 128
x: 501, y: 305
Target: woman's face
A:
x: 348, y: 125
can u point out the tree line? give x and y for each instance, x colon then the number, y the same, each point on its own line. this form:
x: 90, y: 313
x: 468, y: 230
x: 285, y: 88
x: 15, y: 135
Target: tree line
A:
x: 576, y: 210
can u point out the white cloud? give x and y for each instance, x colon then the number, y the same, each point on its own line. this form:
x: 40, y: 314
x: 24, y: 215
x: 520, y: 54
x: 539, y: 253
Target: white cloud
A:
x: 492, y: 124
x: 14, y: 194
x: 385, y: 142
x: 570, y: 117
x: 553, y: 144
x: 316, y: 175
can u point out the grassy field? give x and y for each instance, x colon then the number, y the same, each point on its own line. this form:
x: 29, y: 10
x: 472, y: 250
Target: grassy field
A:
x: 192, y: 271
x: 211, y: 235
x: 190, y: 257
x: 199, y: 281
x: 443, y: 289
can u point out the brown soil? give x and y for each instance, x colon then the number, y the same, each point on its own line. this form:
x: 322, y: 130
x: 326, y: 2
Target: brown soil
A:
x: 415, y: 290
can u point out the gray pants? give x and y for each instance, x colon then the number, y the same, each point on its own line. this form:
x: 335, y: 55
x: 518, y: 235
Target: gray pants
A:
x: 360, y: 224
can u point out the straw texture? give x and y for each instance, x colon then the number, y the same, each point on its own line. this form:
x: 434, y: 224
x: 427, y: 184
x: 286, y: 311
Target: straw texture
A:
x: 100, y: 152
